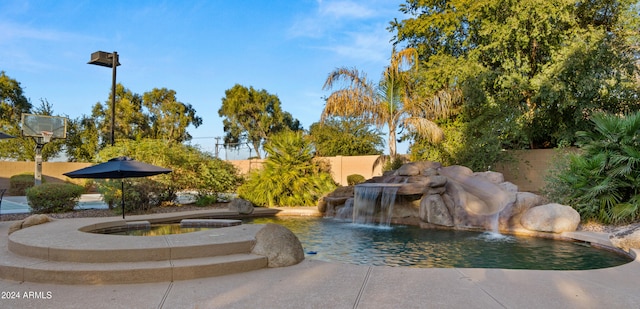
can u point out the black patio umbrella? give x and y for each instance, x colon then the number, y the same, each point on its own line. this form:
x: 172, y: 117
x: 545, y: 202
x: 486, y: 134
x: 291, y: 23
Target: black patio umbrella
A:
x: 5, y: 135
x: 118, y: 168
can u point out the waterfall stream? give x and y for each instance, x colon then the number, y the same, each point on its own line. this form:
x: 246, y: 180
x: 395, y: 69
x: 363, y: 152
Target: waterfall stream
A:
x: 373, y: 203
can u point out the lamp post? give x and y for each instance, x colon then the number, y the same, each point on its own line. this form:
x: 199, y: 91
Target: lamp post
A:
x: 109, y: 60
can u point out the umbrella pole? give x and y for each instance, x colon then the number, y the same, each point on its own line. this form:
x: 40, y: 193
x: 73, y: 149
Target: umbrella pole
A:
x: 122, y: 185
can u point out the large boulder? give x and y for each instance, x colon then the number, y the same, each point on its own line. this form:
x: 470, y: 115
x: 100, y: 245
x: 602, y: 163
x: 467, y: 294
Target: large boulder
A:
x: 626, y: 237
x: 509, y: 187
x: 406, y: 206
x: 280, y: 246
x: 464, y: 200
x: 29, y: 221
x: 35, y: 220
x: 432, y: 181
x: 413, y: 185
x: 493, y: 197
x: 434, y: 210
x: 493, y: 177
x: 554, y: 218
x: 16, y: 226
x: 413, y: 188
x: 330, y: 203
x: 241, y: 206
x: 510, y: 216
x: 416, y: 168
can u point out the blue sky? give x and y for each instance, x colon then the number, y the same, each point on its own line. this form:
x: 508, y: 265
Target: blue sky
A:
x: 197, y: 48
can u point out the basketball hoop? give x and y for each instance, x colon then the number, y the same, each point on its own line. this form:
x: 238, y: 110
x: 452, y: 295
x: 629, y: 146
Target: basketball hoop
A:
x: 42, y: 129
x: 46, y: 136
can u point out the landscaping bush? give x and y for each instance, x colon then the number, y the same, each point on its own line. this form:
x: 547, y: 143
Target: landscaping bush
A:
x: 602, y: 181
x: 355, y: 179
x: 192, y: 169
x: 53, y: 197
x: 18, y: 184
x: 140, y: 194
x: 290, y: 176
x: 394, y: 164
x: 206, y: 200
x: 477, y: 145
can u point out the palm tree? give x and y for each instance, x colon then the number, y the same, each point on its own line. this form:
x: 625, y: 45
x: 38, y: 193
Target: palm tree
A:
x: 606, y: 180
x: 392, y: 102
x: 290, y: 176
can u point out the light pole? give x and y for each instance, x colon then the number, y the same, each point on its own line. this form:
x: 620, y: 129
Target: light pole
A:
x: 109, y: 60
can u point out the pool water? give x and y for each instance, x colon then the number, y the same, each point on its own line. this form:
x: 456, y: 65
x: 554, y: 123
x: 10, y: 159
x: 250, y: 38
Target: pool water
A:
x: 153, y: 230
x: 335, y: 240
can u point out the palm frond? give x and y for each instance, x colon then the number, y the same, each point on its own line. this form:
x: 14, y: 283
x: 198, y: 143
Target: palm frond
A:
x: 352, y: 78
x: 350, y: 103
x: 621, y: 212
x: 404, y: 60
x: 424, y: 128
x: 441, y: 104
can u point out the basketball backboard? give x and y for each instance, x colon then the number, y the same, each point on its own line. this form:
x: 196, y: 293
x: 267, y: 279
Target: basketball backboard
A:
x: 34, y: 125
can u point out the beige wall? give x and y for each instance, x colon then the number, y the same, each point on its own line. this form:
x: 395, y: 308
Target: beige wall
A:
x: 528, y: 168
x: 51, y: 171
x: 341, y: 166
x: 245, y: 166
x: 527, y: 171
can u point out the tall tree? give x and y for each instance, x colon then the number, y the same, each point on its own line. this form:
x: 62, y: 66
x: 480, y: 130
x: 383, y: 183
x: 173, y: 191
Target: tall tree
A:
x: 391, y: 103
x: 12, y: 101
x: 169, y: 117
x: 13, y: 104
x: 82, y: 142
x: 130, y: 120
x: 340, y: 136
x: 540, y: 67
x: 253, y: 116
x: 156, y: 114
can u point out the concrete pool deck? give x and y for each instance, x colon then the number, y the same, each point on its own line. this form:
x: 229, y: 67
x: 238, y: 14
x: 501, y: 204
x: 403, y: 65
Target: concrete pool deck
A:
x: 316, y: 284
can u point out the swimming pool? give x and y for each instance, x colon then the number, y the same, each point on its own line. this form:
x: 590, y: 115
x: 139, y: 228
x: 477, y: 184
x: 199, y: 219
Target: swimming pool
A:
x: 335, y: 240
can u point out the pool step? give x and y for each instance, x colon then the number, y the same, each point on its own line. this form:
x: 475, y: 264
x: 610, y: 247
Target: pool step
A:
x: 139, y: 272
x: 85, y: 247
x: 62, y: 252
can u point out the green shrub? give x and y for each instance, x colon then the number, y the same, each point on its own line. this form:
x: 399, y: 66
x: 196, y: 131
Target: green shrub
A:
x: 206, y: 200
x: 602, y: 181
x: 140, y: 194
x: 389, y: 163
x: 394, y: 164
x: 476, y: 145
x: 53, y: 197
x: 355, y: 179
x: 192, y: 169
x: 290, y: 176
x: 18, y: 184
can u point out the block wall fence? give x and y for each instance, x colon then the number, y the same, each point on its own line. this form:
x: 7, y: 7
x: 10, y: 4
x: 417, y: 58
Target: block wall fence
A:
x: 527, y: 170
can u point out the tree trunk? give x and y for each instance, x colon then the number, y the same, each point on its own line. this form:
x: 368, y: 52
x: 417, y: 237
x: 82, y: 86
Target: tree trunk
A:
x: 392, y: 142
x: 256, y: 147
